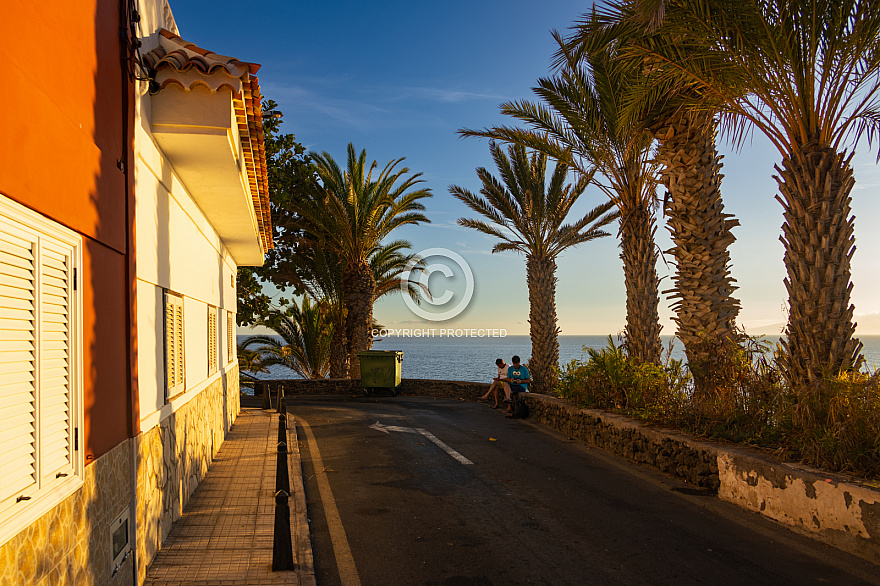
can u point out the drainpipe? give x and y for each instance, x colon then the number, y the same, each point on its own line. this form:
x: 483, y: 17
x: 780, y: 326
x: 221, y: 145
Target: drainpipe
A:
x: 131, y: 73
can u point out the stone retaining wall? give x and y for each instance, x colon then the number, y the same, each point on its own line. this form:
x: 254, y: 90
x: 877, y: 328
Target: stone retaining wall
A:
x: 672, y: 453
x: 837, y: 510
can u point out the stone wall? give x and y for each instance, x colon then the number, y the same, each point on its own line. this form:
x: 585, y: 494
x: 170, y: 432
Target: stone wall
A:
x: 840, y: 511
x: 173, y: 457
x: 71, y: 544
x: 670, y: 452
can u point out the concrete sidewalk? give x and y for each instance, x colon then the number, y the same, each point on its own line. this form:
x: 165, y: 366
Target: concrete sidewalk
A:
x: 224, y: 537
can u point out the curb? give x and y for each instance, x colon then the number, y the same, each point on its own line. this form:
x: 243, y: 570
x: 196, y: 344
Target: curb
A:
x: 299, y: 518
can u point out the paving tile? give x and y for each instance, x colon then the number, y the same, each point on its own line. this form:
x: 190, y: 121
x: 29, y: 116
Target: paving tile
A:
x: 224, y: 537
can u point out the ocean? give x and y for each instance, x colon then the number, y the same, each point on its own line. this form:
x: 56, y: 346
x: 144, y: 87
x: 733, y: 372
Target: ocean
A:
x: 473, y: 359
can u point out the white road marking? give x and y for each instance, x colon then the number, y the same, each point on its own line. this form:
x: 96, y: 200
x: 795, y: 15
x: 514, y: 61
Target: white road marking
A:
x: 388, y: 428
x: 341, y: 550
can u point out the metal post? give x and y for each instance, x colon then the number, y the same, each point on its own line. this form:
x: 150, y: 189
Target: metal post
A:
x: 279, y: 399
x: 267, y: 400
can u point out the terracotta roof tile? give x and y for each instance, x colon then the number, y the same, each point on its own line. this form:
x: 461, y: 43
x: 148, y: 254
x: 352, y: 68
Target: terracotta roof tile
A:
x: 176, y: 61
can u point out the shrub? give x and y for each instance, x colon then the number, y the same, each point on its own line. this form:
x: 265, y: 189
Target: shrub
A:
x: 836, y: 426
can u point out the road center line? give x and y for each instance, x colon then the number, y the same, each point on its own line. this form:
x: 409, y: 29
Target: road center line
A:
x: 344, y: 560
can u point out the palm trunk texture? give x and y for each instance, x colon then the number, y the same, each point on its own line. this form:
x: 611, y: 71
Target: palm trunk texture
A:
x: 357, y: 294
x: 703, y: 288
x: 541, y: 278
x: 639, y: 255
x: 815, y: 184
x: 338, y: 351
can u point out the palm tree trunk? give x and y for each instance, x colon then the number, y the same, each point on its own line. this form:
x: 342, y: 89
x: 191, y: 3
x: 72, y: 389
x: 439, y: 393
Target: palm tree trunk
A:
x: 704, y: 305
x: 543, y: 365
x: 639, y: 255
x: 338, y: 349
x: 357, y: 296
x: 815, y: 184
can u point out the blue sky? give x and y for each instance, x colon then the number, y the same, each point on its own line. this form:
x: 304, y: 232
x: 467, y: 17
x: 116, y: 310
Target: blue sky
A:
x: 400, y: 78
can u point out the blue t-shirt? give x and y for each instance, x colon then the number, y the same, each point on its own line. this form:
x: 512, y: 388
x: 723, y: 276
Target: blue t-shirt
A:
x: 518, y: 373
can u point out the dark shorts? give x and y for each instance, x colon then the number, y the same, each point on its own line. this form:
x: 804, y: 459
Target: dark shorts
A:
x: 516, y: 388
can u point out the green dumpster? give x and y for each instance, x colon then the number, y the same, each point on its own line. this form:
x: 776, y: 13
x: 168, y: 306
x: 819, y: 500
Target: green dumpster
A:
x: 380, y: 369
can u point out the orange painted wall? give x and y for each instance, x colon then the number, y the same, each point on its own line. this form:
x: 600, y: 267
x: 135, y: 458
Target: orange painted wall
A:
x: 62, y: 134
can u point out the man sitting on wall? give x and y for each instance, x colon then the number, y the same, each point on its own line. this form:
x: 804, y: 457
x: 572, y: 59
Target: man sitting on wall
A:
x: 516, y: 381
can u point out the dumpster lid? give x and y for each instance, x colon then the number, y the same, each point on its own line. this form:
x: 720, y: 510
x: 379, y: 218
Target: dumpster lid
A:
x: 380, y: 352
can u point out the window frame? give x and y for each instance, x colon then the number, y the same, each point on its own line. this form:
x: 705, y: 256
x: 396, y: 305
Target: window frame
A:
x: 48, y: 239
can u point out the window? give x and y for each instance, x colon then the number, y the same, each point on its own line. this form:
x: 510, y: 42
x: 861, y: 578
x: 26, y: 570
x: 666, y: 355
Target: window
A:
x: 40, y: 366
x: 175, y: 376
x: 213, y: 359
x: 230, y: 336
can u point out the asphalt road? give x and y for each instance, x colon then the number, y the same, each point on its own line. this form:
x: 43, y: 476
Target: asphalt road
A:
x: 420, y: 491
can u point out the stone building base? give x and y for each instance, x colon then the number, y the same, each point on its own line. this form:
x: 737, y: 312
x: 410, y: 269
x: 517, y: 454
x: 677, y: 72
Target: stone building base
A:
x: 71, y: 544
x: 174, y: 456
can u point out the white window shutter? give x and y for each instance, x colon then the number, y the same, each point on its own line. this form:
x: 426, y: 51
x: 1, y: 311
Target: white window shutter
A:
x: 170, y: 340
x: 40, y: 366
x: 174, y: 370
x: 179, y: 344
x: 212, y: 339
x: 230, y: 336
x: 55, y: 368
x: 18, y: 362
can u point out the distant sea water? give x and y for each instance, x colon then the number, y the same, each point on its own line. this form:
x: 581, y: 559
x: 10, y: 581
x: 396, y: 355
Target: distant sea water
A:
x: 473, y: 359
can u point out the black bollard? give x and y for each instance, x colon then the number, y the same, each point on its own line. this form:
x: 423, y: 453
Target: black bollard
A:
x: 282, y: 544
x: 279, y: 400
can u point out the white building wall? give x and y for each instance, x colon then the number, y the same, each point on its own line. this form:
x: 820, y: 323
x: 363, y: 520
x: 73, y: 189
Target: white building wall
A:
x: 178, y: 251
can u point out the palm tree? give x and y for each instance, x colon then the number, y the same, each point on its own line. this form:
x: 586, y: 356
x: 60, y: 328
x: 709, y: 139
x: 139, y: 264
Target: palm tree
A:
x: 690, y: 169
x: 355, y: 212
x: 305, y: 332
x: 319, y: 271
x: 804, y: 73
x: 527, y: 216
x: 389, y: 262
x: 249, y: 362
x: 583, y: 117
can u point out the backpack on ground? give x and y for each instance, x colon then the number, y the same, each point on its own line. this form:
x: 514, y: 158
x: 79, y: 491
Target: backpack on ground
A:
x: 519, y: 409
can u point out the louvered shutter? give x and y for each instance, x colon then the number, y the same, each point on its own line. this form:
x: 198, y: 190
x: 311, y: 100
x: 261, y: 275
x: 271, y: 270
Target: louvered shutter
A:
x: 56, y: 291
x: 40, y: 366
x: 170, y: 370
x: 230, y: 336
x: 178, y: 334
x: 212, y: 339
x: 174, y: 344
x: 18, y: 361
